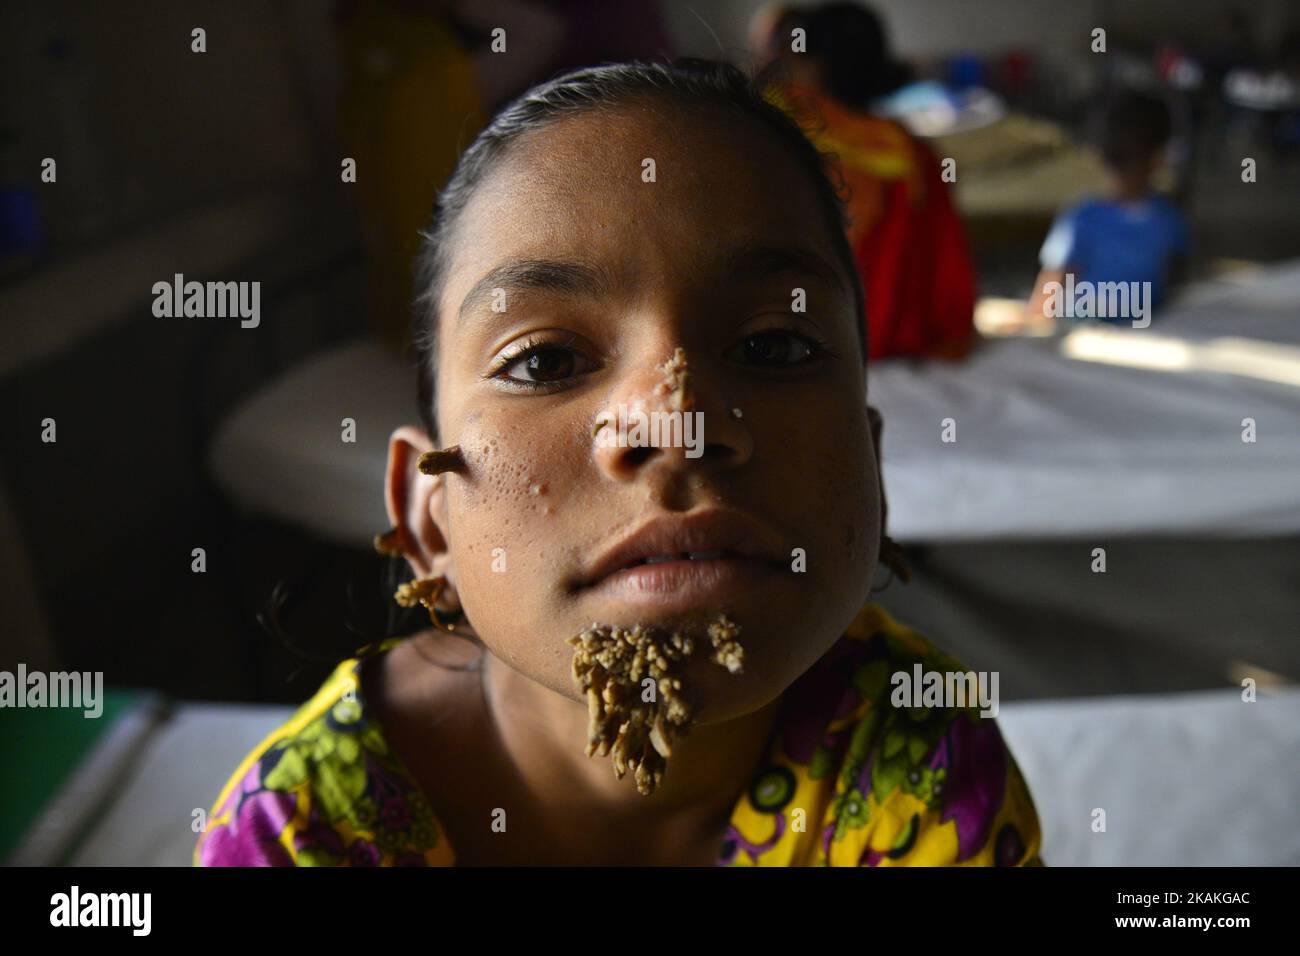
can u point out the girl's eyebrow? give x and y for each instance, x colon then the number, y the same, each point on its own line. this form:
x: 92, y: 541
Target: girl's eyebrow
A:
x: 759, y: 260
x: 548, y: 275
x: 745, y: 261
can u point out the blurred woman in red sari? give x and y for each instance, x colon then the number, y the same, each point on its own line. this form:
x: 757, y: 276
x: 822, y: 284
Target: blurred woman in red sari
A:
x: 908, y: 241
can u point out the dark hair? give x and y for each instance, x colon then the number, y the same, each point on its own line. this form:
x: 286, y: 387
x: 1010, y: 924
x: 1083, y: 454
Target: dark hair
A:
x: 695, y: 81
x: 1131, y: 128
x: 850, y: 41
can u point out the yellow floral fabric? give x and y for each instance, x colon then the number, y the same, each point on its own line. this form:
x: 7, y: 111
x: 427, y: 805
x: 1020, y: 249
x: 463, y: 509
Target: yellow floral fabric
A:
x: 850, y: 779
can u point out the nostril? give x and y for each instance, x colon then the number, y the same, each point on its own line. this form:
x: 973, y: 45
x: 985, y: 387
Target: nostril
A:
x: 718, y: 450
x: 638, y: 454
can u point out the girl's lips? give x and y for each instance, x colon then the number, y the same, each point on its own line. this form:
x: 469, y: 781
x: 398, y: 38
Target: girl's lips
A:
x: 684, y: 584
x: 698, y: 536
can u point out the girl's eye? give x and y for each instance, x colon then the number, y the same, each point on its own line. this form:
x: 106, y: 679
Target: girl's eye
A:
x: 537, y: 365
x: 776, y: 348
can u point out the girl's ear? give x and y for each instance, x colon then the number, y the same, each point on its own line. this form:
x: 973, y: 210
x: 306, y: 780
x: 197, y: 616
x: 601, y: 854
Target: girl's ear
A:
x: 877, y: 426
x: 891, y: 555
x: 416, y: 503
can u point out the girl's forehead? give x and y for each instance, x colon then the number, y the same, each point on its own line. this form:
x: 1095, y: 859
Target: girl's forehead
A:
x: 637, y: 187
x: 693, y: 159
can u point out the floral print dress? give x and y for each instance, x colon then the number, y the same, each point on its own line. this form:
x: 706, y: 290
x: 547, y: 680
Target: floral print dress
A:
x: 850, y: 779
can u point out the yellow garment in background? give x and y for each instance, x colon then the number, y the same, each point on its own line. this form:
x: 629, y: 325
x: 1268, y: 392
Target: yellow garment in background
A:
x: 410, y: 104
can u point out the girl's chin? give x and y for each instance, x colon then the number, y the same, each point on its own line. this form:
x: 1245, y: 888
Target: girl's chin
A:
x: 718, y: 695
x: 721, y: 697
x: 733, y: 667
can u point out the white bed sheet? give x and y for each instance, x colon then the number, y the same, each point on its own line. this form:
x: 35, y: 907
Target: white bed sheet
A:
x: 1195, y: 779
x: 1049, y: 446
x: 282, y: 454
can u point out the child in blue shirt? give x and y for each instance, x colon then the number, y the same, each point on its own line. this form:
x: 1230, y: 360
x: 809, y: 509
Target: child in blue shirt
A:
x: 1132, y: 237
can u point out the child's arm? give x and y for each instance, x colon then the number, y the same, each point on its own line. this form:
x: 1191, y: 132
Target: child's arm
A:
x: 1037, y: 317
x: 1057, y: 258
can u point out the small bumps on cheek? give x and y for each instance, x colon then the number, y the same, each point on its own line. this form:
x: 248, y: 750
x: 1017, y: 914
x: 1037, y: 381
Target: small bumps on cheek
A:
x: 506, y: 475
x: 538, y: 489
x: 510, y: 481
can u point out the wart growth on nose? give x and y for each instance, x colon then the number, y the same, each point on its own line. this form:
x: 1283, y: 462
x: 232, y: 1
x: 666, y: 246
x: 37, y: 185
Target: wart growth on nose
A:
x: 677, y: 381
x: 610, y: 663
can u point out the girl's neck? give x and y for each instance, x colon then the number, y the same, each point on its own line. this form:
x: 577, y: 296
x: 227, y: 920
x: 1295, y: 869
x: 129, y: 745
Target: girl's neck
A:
x: 545, y: 733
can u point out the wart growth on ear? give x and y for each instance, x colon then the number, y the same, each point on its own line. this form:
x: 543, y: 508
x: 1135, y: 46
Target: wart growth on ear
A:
x: 427, y: 591
x: 609, y: 664
x: 391, y: 542
x: 440, y: 460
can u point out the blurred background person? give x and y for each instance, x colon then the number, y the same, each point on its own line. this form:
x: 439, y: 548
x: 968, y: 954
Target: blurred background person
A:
x: 422, y: 77
x: 908, y: 241
x: 414, y: 91
x: 1129, y: 234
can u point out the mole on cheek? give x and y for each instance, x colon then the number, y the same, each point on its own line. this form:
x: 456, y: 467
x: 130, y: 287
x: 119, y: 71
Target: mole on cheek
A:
x: 537, y: 489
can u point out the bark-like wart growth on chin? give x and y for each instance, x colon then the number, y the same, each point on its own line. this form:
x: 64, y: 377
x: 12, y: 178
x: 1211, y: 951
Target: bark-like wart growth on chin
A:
x: 609, y: 664
x: 440, y: 460
x: 677, y: 381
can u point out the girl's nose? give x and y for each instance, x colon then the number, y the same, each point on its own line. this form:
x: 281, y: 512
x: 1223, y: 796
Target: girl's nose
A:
x: 674, y: 415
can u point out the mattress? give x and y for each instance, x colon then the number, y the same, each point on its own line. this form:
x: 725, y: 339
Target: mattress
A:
x: 282, y: 453
x: 1106, y: 431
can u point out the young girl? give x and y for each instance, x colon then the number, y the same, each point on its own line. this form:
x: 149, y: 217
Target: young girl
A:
x: 651, y: 239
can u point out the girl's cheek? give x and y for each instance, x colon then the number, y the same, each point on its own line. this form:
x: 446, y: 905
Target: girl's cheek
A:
x: 525, y: 466
x: 841, y: 486
x: 505, y: 509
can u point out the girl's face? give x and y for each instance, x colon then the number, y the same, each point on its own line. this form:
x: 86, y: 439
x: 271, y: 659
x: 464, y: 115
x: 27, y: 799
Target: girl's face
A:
x: 603, y: 244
